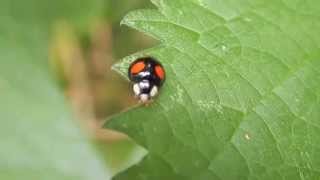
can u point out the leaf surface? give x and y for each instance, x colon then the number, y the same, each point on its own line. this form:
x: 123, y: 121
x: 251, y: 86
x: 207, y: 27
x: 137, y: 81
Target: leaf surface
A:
x: 241, y: 100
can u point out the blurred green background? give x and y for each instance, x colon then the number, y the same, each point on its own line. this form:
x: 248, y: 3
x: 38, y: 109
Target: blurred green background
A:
x: 82, y: 62
x: 53, y: 48
x: 105, y: 42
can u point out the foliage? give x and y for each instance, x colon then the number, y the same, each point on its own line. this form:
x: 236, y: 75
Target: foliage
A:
x: 39, y: 138
x: 241, y: 100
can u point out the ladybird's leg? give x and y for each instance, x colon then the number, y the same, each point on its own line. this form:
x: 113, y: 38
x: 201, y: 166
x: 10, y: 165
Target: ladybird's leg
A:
x: 148, y: 103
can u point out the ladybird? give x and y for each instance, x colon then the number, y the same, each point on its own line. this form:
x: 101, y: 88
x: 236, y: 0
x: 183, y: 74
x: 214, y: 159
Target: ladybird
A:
x: 147, y: 75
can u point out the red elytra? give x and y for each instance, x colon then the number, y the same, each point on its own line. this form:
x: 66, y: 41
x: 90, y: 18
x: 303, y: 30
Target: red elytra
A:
x: 160, y: 72
x: 137, y: 67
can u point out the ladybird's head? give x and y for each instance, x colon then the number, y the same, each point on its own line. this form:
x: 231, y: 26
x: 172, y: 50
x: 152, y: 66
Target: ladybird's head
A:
x: 145, y: 90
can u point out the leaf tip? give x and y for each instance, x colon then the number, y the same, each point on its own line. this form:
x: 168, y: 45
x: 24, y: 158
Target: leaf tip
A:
x: 129, y: 19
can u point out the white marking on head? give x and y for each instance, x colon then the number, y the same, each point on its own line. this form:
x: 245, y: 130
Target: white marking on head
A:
x: 144, y: 97
x: 136, y: 89
x: 154, y: 91
x: 145, y: 84
x: 145, y: 73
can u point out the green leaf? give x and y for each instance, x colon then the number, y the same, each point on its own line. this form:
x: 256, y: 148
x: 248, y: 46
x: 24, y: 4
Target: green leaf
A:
x: 241, y: 100
x: 39, y: 137
x: 121, y: 154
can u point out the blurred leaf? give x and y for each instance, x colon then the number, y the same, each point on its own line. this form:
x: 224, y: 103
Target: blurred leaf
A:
x: 39, y: 139
x: 125, y: 39
x: 45, y: 12
x: 241, y: 100
x: 125, y: 153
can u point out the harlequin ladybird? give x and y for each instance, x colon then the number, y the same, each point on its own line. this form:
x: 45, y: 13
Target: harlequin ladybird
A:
x: 147, y: 76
